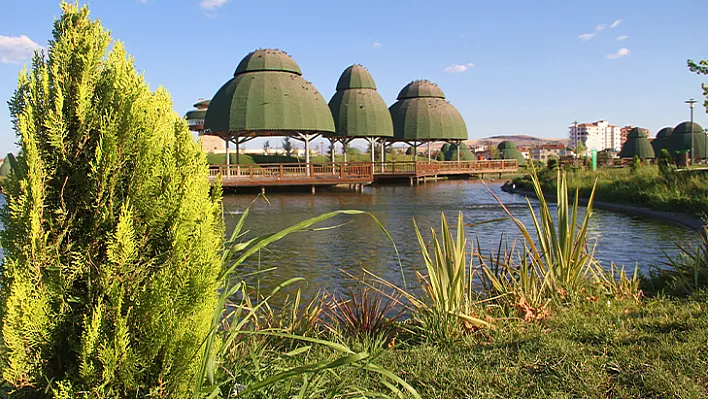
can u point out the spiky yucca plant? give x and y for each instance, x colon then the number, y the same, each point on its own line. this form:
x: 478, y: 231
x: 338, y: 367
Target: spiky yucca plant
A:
x: 111, y: 236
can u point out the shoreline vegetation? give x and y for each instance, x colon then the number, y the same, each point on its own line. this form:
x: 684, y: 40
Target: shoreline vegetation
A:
x: 119, y: 281
x: 684, y: 192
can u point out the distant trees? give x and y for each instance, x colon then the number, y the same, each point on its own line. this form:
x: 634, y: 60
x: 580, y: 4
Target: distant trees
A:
x: 493, y: 151
x: 580, y: 151
x: 288, y: 146
x: 111, y: 237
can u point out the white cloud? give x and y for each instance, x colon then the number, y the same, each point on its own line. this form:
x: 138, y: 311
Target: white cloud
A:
x: 608, y: 26
x: 458, y: 68
x: 623, y: 52
x: 616, y: 23
x: 377, y: 44
x: 601, y: 27
x: 212, y: 4
x: 586, y: 36
x: 16, y: 49
x: 622, y: 38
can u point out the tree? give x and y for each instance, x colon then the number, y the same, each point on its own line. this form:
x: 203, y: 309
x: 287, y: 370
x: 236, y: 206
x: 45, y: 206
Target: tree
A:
x: 636, y: 163
x: 288, y: 147
x: 701, y: 68
x: 493, y: 151
x: 111, y: 236
x: 552, y: 164
x: 580, y: 151
x: 666, y: 165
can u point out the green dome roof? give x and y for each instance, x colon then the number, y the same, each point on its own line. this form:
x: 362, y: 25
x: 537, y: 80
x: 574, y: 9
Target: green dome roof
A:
x: 359, y: 111
x: 638, y: 133
x: 356, y: 77
x: 637, y: 144
x: 449, y: 152
x: 268, y: 60
x: 659, y: 143
x: 196, y: 114
x: 421, y: 88
x: 508, y: 150
x: 506, y: 144
x: 267, y: 96
x: 683, y: 135
x: 202, y: 104
x: 422, y: 114
x: 664, y: 133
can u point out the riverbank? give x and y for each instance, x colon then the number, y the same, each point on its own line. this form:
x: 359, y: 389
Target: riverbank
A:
x: 681, y: 219
x: 679, y: 197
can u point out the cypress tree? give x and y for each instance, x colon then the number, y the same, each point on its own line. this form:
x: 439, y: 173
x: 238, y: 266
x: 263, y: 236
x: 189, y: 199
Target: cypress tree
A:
x: 111, y: 236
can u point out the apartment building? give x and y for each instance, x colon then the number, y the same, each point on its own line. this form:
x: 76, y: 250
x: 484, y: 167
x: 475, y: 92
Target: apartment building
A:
x: 598, y: 136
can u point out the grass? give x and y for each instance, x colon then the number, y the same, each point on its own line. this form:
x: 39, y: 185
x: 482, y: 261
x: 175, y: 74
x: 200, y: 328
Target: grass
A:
x: 685, y: 191
x: 620, y: 349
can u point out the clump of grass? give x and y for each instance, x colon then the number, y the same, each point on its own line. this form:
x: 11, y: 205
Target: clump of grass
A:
x: 685, y: 272
x: 366, y: 314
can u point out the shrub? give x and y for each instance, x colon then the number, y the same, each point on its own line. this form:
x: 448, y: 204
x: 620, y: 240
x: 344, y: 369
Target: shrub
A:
x: 111, y: 237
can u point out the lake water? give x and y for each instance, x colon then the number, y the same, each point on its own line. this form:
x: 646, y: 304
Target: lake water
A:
x: 320, y: 256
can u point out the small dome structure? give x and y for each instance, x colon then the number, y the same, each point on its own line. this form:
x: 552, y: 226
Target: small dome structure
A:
x: 268, y: 97
x: 422, y: 114
x: 357, y: 108
x: 662, y: 137
x: 450, y: 153
x: 508, y: 150
x: 684, y: 135
x: 637, y: 144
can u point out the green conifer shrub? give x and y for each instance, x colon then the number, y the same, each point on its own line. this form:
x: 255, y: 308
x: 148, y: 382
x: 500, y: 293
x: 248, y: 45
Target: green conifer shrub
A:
x: 111, y: 236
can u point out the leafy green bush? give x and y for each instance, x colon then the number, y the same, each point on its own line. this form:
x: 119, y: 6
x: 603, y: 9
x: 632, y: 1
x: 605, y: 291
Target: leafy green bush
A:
x: 111, y: 236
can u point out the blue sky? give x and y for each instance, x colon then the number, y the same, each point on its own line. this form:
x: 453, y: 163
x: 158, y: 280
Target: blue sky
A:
x: 510, y: 67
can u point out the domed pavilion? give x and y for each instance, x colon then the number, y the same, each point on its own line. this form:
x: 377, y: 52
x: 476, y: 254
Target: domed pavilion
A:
x: 422, y: 114
x: 661, y: 139
x: 638, y: 145
x: 268, y: 97
x: 508, y: 150
x: 359, y: 111
x: 687, y: 137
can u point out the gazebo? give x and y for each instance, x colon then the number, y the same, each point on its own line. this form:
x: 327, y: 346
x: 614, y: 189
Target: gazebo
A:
x: 359, y: 111
x: 268, y: 97
x: 422, y: 115
x: 508, y: 150
x: 685, y: 138
x: 661, y: 139
x: 638, y: 145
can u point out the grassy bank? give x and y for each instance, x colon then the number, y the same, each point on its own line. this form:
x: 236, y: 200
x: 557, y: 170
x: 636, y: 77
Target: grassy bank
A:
x: 601, y: 349
x: 685, y: 192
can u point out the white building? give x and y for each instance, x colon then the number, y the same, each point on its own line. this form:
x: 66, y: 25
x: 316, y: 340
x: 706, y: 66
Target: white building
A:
x: 598, y: 136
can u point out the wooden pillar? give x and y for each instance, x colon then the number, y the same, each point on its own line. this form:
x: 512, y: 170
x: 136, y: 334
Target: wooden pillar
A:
x: 313, y: 189
x: 415, y: 152
x: 238, y: 160
x: 459, y: 144
x: 228, y: 161
x: 429, y: 159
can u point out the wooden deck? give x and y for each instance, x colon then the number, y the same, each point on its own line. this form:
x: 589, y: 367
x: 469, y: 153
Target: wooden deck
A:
x: 331, y: 174
x: 320, y: 174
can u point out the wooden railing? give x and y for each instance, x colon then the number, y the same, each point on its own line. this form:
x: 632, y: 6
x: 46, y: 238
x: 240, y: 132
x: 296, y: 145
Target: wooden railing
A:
x: 419, y: 168
x: 293, y: 171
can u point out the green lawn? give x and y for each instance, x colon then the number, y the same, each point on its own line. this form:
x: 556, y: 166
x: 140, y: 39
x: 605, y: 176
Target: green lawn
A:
x: 618, y: 349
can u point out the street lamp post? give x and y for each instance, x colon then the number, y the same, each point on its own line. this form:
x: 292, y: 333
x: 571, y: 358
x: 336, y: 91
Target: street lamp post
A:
x: 705, y: 131
x: 690, y: 103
